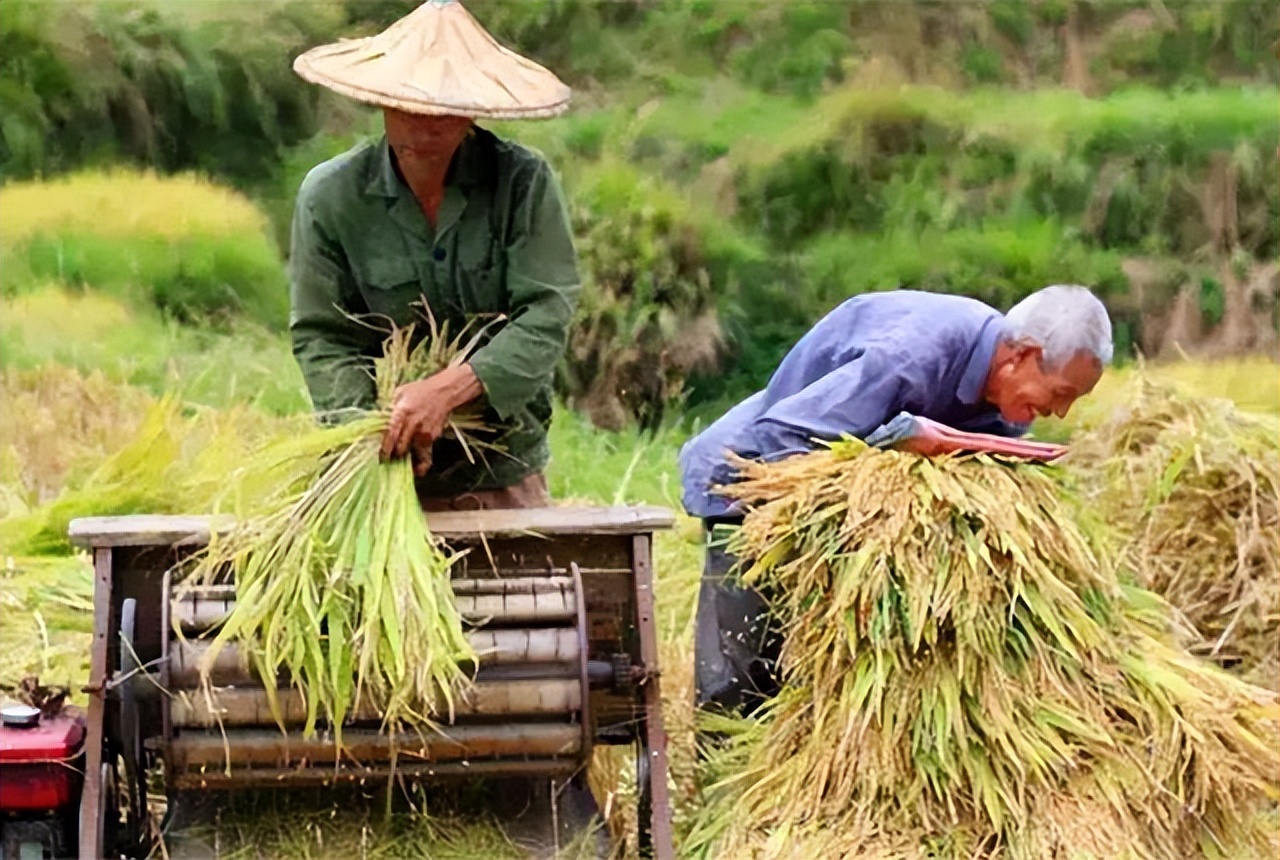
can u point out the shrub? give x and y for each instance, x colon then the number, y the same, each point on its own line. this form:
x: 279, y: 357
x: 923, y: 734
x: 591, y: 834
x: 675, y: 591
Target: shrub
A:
x: 185, y: 246
x: 647, y: 315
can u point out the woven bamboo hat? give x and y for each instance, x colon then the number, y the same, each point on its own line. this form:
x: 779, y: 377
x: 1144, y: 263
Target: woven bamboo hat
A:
x: 436, y: 60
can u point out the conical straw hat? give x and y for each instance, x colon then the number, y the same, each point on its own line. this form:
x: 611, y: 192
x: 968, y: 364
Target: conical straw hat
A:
x: 436, y: 60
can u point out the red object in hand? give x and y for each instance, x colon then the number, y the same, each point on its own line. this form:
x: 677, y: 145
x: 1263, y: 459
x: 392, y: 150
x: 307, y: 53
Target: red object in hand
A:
x: 38, y: 767
x: 937, y: 439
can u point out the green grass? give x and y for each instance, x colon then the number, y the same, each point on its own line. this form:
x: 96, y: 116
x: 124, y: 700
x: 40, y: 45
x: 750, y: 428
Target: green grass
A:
x: 1043, y: 120
x: 238, y: 363
x: 999, y: 263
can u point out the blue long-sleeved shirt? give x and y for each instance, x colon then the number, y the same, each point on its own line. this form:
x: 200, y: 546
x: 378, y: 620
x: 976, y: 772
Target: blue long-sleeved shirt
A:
x: 874, y: 356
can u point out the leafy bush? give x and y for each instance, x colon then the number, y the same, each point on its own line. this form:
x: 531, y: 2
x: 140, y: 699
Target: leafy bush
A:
x: 89, y: 83
x: 647, y: 315
x: 190, y: 249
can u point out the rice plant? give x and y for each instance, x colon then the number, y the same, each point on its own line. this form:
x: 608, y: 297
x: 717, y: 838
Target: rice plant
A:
x: 339, y: 585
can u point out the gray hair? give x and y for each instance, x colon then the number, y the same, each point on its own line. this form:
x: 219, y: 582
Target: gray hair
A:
x: 1062, y: 321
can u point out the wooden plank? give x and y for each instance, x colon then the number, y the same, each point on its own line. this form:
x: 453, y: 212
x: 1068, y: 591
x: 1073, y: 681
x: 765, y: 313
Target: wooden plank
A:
x: 549, y: 521
x: 493, y: 647
x: 144, y: 530
x: 655, y: 733
x: 104, y: 624
x: 241, y: 748
x: 155, y: 530
x: 248, y: 706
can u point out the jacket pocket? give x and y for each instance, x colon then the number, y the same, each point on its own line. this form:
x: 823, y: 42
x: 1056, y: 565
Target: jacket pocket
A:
x: 392, y: 290
x: 391, y: 273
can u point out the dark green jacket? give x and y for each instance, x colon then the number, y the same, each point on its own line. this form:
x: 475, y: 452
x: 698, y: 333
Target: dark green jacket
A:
x: 502, y: 244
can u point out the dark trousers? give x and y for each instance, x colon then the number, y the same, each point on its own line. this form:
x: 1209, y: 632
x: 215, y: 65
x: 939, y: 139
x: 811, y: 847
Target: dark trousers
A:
x: 737, y: 641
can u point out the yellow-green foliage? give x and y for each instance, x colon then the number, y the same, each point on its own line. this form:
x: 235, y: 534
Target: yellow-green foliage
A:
x: 124, y: 204
x: 56, y: 424
x: 243, y: 363
x: 1251, y: 382
x: 46, y: 620
x: 187, y: 246
x: 177, y: 462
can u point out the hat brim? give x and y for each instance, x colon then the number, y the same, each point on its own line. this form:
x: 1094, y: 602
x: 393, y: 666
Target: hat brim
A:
x: 437, y: 61
x: 434, y: 107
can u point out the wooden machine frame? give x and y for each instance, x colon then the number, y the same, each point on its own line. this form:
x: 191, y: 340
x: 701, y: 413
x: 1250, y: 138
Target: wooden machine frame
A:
x: 608, y: 551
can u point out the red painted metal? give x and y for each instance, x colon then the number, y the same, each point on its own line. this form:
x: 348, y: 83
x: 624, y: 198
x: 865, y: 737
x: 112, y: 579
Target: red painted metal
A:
x: 38, y: 768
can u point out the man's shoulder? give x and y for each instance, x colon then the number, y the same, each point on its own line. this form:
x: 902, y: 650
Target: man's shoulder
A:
x: 513, y: 159
x: 922, y: 300
x: 339, y: 177
x: 892, y: 315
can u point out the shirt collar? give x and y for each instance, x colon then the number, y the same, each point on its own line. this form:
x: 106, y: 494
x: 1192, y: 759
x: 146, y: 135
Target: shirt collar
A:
x: 975, y: 373
x: 466, y: 170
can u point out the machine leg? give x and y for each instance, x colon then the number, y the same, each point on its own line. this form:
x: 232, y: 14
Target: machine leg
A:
x: 92, y: 802
x: 653, y: 735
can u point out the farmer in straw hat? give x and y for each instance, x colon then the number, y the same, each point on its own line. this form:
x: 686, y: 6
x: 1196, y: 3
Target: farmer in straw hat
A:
x: 443, y: 210
x: 921, y: 371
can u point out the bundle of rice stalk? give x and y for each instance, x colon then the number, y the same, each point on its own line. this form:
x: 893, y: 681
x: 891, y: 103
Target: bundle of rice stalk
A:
x: 964, y: 676
x: 1195, y: 486
x: 339, y: 585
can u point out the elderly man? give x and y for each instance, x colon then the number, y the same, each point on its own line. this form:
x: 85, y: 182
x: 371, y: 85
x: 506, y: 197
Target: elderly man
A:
x: 443, y: 210
x: 948, y: 359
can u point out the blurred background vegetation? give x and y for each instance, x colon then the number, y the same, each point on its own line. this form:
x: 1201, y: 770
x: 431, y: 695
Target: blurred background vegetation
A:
x: 735, y: 169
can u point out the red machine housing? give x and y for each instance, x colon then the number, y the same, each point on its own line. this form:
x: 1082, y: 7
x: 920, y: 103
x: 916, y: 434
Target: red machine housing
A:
x: 40, y: 767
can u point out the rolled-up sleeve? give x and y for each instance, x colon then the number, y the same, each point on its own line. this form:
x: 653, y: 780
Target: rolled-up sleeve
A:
x: 543, y: 285
x: 327, y: 345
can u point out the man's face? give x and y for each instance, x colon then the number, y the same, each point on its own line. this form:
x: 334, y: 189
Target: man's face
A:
x: 1023, y: 389
x: 416, y: 138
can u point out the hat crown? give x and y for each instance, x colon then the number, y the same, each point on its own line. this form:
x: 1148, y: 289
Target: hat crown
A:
x: 437, y: 60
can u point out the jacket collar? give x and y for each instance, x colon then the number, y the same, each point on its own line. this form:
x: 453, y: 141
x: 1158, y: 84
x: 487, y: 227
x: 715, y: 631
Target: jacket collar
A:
x: 466, y: 171
x: 979, y: 366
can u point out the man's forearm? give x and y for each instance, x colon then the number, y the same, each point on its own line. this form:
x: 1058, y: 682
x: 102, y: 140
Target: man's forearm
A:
x: 459, y: 386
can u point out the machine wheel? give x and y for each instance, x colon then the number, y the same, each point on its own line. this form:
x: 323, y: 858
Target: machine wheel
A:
x: 135, y: 797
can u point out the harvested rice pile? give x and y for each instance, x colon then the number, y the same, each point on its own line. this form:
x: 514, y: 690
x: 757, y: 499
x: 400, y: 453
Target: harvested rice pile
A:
x: 339, y: 586
x: 1195, y: 486
x: 965, y: 677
